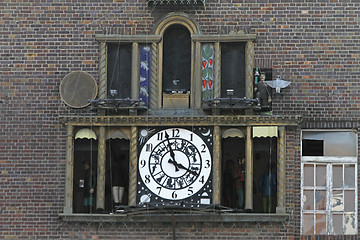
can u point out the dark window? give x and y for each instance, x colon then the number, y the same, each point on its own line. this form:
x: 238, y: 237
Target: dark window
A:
x: 176, y: 59
x: 85, y: 168
x: 313, y: 147
x: 117, y: 174
x: 119, y: 70
x: 233, y: 69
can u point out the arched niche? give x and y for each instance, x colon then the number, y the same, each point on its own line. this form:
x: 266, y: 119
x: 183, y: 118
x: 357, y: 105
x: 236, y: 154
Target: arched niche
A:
x: 171, y: 95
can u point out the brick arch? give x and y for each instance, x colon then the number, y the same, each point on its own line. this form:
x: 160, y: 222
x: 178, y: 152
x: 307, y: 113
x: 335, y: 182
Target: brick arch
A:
x: 176, y: 18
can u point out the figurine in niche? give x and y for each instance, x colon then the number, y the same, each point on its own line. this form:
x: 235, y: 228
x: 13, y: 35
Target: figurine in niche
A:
x: 119, y: 176
x: 239, y: 182
x: 263, y: 94
x: 89, y: 188
x: 267, y: 187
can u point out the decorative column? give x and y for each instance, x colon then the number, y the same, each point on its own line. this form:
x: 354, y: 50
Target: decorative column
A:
x: 249, y: 169
x: 249, y: 66
x: 217, y: 75
x: 195, y: 95
x: 154, y: 82
x: 103, y: 70
x: 281, y: 179
x: 135, y: 71
x: 100, y: 187
x: 69, y: 174
x: 217, y: 165
x: 133, y: 166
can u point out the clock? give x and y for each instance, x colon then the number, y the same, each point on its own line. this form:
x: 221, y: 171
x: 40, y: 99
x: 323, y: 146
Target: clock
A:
x: 175, y: 166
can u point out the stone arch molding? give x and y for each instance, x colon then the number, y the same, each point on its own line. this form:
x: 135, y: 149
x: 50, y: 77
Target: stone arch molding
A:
x: 176, y: 18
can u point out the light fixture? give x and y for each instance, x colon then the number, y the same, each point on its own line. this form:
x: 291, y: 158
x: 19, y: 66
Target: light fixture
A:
x: 113, y: 92
x: 230, y: 93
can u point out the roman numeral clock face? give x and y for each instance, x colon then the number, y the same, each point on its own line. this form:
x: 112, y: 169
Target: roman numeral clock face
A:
x: 175, y: 166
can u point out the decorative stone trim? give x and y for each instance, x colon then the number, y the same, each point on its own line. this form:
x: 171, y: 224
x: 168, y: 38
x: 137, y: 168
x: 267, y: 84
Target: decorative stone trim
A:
x: 239, y: 120
x: 152, y: 217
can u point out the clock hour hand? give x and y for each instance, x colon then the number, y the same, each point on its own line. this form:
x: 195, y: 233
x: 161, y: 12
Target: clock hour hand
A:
x: 172, y: 154
x: 179, y: 165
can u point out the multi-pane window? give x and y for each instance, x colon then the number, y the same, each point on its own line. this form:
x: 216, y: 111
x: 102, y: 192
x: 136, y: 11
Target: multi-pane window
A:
x: 329, y: 186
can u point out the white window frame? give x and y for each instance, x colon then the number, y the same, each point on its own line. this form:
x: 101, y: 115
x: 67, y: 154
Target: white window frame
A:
x: 328, y: 161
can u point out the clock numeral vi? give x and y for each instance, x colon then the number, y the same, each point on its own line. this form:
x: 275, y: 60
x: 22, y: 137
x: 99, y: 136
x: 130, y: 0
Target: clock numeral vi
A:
x: 174, y: 195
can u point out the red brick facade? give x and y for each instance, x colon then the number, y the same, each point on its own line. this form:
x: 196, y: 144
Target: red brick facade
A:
x: 313, y: 44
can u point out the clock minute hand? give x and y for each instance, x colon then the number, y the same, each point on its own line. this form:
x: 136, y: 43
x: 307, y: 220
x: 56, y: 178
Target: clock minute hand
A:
x: 187, y: 169
x: 172, y: 154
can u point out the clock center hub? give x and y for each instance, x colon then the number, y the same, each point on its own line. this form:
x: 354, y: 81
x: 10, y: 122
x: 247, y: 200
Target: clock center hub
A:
x: 175, y: 168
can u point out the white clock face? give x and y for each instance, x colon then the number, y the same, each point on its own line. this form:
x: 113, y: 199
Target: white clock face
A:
x: 175, y: 163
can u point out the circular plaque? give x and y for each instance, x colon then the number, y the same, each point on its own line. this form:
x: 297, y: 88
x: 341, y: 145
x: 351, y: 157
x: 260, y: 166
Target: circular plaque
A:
x: 77, y: 88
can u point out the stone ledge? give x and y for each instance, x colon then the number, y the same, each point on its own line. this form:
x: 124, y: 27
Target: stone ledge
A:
x: 177, y: 217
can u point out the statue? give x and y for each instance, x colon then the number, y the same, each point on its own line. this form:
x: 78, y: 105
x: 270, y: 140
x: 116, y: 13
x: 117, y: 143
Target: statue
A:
x: 263, y: 94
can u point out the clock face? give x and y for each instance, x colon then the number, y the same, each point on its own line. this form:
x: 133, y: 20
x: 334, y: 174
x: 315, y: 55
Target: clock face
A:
x: 175, y: 164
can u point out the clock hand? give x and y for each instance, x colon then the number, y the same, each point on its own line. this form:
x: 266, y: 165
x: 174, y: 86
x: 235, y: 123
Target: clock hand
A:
x: 172, y: 154
x: 179, y: 165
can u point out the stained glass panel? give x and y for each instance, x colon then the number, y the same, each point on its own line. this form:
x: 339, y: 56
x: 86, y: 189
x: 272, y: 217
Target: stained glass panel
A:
x: 207, y: 66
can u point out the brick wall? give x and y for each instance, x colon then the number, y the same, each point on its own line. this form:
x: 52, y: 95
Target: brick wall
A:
x: 314, y: 44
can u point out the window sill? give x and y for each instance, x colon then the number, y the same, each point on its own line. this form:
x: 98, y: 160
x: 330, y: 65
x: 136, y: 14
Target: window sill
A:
x: 178, y: 217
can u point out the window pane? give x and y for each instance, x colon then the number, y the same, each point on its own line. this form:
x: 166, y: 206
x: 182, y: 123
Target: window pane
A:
x: 233, y: 69
x: 335, y: 143
x: 337, y: 224
x: 320, y: 200
x: 308, y: 175
x: 176, y: 59
x: 119, y: 70
x: 320, y: 224
x: 349, y: 205
x: 312, y: 147
x: 308, y: 224
x: 321, y: 175
x: 308, y: 200
x: 349, y: 224
x: 337, y: 176
x: 349, y: 176
x: 337, y: 201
